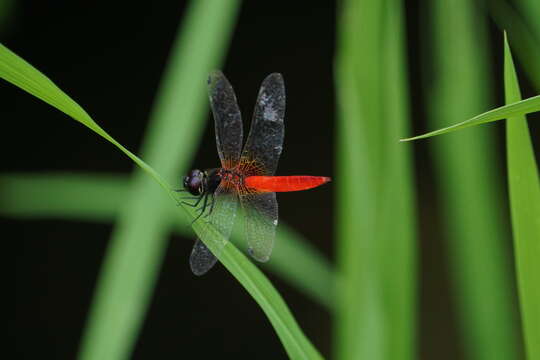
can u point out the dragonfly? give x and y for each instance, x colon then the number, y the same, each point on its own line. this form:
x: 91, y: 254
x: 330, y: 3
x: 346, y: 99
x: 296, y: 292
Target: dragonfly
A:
x: 246, y: 175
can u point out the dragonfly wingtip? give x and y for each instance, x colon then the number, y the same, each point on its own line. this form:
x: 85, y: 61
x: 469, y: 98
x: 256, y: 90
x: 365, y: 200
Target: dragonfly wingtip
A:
x: 258, y: 257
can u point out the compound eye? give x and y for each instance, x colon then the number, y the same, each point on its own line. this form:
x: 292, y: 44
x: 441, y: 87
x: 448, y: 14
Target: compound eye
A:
x: 193, y: 182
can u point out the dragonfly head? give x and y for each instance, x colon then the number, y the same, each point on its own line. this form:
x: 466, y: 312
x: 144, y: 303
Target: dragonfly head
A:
x: 194, y: 182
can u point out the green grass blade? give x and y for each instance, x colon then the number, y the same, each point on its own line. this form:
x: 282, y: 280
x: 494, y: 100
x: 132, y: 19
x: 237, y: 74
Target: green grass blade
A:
x: 260, y: 288
x: 375, y: 302
x: 23, y: 75
x: 83, y: 197
x: 517, y: 108
x: 139, y: 238
x: 359, y: 318
x: 99, y: 198
x: 123, y: 295
x: 524, y: 189
x: 470, y: 191
x: 398, y: 212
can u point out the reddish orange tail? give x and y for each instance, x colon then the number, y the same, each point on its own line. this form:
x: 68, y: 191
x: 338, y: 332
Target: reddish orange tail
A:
x: 284, y: 183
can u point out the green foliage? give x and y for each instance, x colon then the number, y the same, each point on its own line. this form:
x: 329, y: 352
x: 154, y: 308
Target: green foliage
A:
x: 526, y: 44
x: 511, y: 110
x: 473, y: 231
x: 135, y: 252
x: 374, y: 294
x: 21, y: 196
x: 524, y: 188
x: 375, y: 314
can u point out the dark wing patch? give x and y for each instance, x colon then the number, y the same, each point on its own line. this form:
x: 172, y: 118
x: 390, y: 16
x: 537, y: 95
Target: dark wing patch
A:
x: 227, y: 119
x: 265, y: 140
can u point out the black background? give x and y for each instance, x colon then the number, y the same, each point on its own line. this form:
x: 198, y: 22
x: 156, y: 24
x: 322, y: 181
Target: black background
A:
x: 109, y: 57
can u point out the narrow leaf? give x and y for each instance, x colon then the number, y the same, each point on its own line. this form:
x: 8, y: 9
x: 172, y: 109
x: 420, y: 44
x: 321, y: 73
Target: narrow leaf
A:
x: 99, y: 198
x: 517, y: 108
x: 117, y: 341
x: 23, y: 75
x: 375, y: 303
x: 524, y: 189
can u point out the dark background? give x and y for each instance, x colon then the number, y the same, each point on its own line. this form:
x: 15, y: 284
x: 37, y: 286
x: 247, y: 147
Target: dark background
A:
x: 109, y: 58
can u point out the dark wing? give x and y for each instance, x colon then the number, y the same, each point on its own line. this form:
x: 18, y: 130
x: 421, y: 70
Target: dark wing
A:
x: 265, y: 140
x: 261, y: 218
x: 227, y: 119
x: 222, y: 218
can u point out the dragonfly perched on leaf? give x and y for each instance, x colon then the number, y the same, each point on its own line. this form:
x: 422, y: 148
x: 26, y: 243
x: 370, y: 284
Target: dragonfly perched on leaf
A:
x: 246, y: 175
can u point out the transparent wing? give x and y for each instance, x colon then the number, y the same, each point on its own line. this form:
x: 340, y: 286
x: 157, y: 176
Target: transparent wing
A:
x: 201, y: 259
x: 222, y: 218
x: 227, y: 119
x: 261, y: 218
x: 265, y: 139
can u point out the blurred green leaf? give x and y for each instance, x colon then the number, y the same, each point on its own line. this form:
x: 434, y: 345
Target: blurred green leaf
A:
x: 132, y: 261
x: 526, y: 45
x: 530, y: 10
x: 517, y: 108
x: 99, y: 197
x: 83, y: 197
x: 398, y: 237
x: 469, y: 181
x: 524, y: 189
x: 139, y: 239
x: 375, y: 316
x: 359, y: 320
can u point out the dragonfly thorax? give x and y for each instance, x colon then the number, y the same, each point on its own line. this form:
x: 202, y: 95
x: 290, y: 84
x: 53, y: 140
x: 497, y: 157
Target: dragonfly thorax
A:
x: 231, y: 177
x: 212, y: 180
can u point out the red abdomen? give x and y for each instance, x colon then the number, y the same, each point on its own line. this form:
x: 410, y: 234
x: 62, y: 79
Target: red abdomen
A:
x: 284, y: 183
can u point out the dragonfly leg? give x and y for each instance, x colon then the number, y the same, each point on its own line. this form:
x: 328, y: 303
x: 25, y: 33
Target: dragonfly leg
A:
x: 211, y: 205
x: 198, y: 198
x: 203, y: 207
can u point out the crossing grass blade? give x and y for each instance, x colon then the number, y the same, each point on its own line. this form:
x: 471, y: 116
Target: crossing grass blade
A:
x: 122, y: 296
x: 375, y: 301
x: 470, y: 182
x: 98, y: 198
x: 139, y: 238
x: 511, y: 110
x: 524, y: 189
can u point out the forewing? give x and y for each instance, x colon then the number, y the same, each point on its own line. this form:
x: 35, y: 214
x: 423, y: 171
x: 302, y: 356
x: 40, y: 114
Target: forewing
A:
x: 261, y: 218
x: 222, y: 218
x: 227, y: 119
x: 265, y: 139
